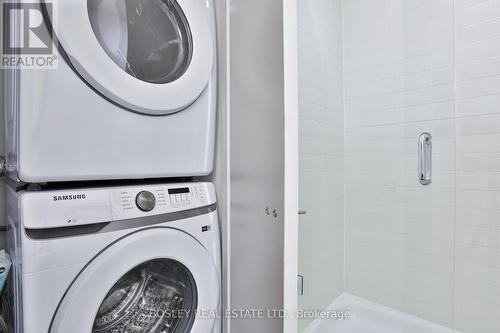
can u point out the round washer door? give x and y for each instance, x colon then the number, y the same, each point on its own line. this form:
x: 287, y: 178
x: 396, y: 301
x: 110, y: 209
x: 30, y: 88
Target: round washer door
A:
x: 150, y: 56
x: 153, y: 280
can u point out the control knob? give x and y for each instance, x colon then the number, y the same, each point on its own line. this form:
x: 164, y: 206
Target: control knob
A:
x: 145, y: 201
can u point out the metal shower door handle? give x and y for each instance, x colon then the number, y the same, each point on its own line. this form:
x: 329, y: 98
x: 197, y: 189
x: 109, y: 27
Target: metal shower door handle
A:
x: 425, y: 158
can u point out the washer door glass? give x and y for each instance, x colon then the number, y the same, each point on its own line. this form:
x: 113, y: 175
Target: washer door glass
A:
x: 157, y: 296
x: 149, y: 39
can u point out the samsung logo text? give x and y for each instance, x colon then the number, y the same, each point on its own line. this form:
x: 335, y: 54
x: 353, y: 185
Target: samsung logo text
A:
x: 69, y: 197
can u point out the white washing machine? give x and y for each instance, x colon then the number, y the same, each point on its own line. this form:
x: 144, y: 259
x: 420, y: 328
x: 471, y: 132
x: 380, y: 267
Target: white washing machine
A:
x: 121, y: 259
x: 133, y: 94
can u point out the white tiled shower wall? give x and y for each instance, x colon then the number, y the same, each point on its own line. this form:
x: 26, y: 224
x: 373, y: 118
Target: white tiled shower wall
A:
x: 477, y: 271
x: 399, y: 82
x: 409, y: 66
x: 321, y: 152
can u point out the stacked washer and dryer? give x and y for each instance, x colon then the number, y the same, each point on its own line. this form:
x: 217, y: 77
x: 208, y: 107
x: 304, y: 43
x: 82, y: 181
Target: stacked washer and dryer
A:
x: 133, y: 98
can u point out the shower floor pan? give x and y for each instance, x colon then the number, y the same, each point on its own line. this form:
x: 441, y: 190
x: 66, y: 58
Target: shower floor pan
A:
x: 369, y: 317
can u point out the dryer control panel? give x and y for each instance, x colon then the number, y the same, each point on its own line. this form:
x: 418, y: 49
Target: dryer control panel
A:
x: 56, y: 209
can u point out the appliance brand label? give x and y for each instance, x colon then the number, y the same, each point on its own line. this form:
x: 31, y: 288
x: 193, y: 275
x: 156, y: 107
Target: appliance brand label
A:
x: 69, y: 197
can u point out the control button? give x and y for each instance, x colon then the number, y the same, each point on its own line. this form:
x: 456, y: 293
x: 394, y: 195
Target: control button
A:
x: 145, y: 201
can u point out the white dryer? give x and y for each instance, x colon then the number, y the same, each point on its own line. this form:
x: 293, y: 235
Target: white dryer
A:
x: 121, y: 259
x: 133, y: 94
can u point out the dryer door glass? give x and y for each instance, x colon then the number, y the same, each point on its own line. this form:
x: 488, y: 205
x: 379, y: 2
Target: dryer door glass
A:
x: 157, y: 296
x: 149, y: 39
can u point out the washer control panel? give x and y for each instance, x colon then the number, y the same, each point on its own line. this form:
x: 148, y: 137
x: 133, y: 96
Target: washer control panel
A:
x: 134, y: 202
x: 54, y: 209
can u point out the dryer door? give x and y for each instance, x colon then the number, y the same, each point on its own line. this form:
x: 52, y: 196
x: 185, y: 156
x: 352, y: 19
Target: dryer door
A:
x: 155, y: 280
x: 149, y: 56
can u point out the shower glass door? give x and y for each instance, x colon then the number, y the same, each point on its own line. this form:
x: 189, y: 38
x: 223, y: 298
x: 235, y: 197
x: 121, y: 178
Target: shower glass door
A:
x: 321, y: 156
x: 399, y: 89
x: 399, y: 165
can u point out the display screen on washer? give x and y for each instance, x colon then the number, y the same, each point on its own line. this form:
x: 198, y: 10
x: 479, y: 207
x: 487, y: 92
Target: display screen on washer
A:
x: 157, y: 296
x: 178, y: 190
x: 149, y: 39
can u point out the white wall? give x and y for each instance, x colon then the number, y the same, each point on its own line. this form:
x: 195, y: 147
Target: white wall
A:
x: 321, y: 152
x: 478, y: 166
